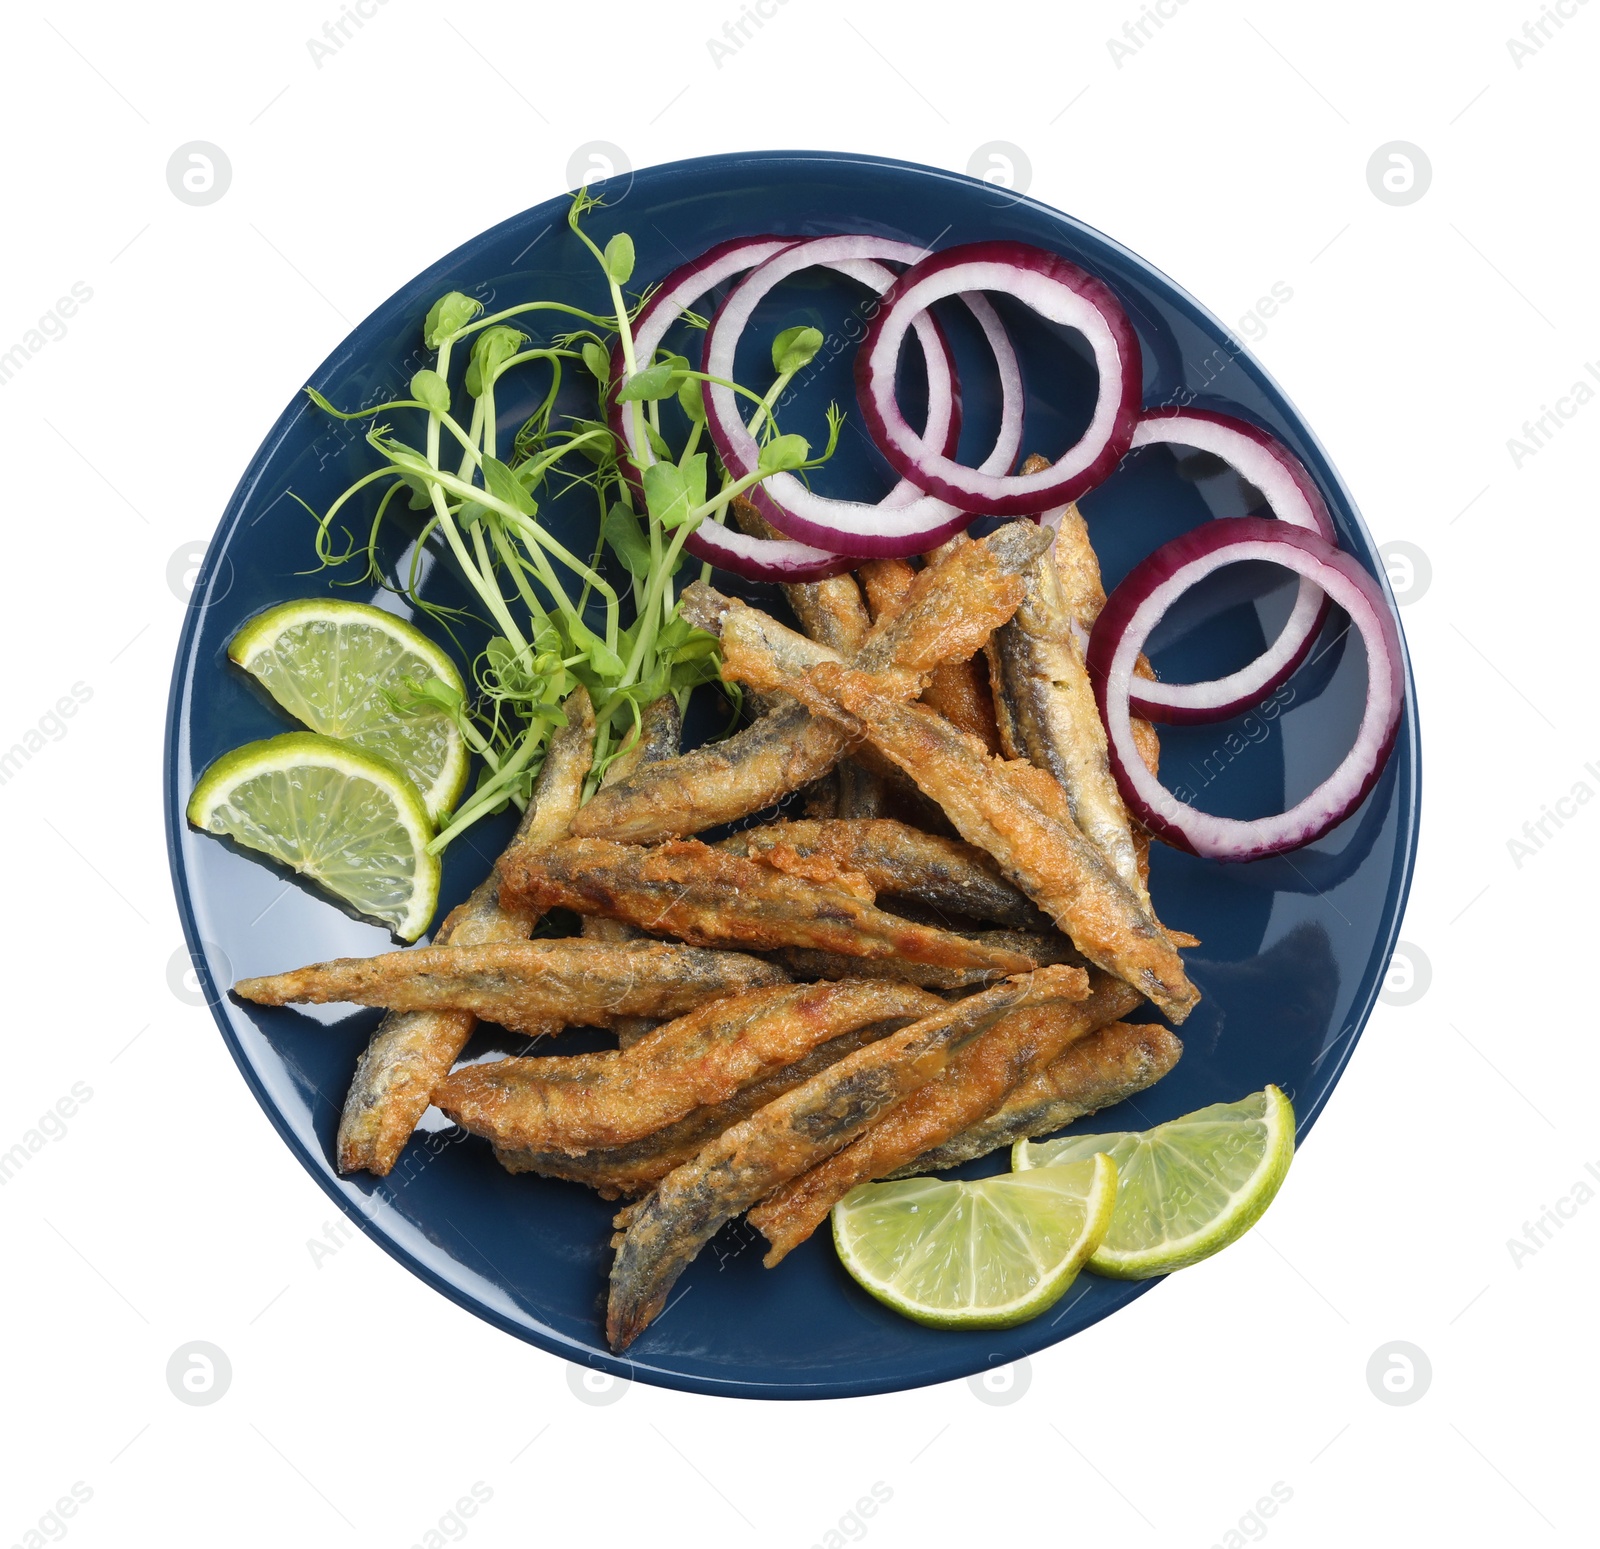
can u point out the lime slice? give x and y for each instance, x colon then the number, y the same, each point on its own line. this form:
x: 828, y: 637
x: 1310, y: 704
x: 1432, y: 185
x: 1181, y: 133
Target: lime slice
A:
x: 988, y: 1254
x: 1187, y: 1188
x: 329, y: 664
x: 343, y: 818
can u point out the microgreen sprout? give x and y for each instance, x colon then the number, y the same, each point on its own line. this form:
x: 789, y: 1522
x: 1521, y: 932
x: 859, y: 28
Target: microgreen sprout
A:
x: 555, y: 619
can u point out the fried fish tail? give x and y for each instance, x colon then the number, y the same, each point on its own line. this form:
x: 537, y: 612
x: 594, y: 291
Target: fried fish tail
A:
x: 412, y: 1050
x: 1117, y: 1062
x: 661, y: 1235
x: 976, y: 1082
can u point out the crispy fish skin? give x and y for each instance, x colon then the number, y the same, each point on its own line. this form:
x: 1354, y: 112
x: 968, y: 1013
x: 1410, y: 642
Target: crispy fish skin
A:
x: 1115, y: 1063
x: 708, y: 897
x: 973, y: 1085
x: 527, y: 986
x: 787, y: 748
x: 1020, y: 816
x: 665, y: 1230
x: 695, y: 1061
x: 412, y: 1050
x: 1047, y: 713
x: 903, y: 862
x: 618, y: 1171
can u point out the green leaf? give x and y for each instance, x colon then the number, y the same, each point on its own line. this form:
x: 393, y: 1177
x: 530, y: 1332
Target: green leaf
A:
x: 431, y: 391
x: 794, y: 348
x: 505, y: 486
x: 601, y: 657
x: 597, y: 361
x: 620, y: 529
x: 672, y: 493
x: 658, y: 442
x: 619, y: 257
x: 448, y: 316
x: 490, y: 351
x: 692, y: 401
x: 659, y: 381
x: 783, y: 453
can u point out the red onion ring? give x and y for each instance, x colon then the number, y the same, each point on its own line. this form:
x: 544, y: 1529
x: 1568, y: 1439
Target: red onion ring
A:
x: 1057, y: 290
x: 756, y: 559
x: 1136, y: 607
x: 907, y: 520
x: 1293, y: 498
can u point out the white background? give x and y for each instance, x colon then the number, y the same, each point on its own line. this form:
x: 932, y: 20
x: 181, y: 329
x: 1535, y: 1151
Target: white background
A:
x: 1231, y: 150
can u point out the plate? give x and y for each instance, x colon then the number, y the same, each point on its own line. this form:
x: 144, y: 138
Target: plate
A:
x: 1294, y: 948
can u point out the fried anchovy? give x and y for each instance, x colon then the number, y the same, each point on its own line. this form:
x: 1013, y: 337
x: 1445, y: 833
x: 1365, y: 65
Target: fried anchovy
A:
x: 710, y: 898
x: 1047, y: 713
x: 527, y: 986
x: 1041, y: 949
x: 1020, y: 816
x: 695, y: 1061
x: 618, y: 1171
x: 903, y: 862
x: 787, y: 749
x: 665, y: 1230
x: 1110, y: 1065
x: 412, y: 1050
x: 973, y: 1085
x: 1084, y: 595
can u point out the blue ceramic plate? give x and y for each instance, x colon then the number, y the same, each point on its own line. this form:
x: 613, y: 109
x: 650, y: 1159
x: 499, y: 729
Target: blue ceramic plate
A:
x: 1294, y: 948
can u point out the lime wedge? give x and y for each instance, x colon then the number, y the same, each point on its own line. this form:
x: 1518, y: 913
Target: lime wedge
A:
x: 345, y: 819
x: 332, y: 664
x: 988, y: 1254
x: 1186, y: 1188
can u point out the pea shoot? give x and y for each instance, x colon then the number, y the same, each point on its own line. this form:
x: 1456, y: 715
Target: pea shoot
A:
x: 555, y: 619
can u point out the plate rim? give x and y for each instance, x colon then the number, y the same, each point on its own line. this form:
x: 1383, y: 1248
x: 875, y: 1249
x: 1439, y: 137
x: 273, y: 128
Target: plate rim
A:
x: 345, y: 1194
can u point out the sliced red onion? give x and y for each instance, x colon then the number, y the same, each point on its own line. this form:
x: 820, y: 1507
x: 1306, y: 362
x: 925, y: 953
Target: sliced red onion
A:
x: 1137, y: 606
x: 764, y: 559
x: 674, y: 296
x: 906, y: 520
x: 1057, y: 290
x: 1292, y: 497
x: 756, y: 559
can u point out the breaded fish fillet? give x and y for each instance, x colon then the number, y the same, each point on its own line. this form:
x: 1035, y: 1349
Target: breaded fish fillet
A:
x: 786, y: 749
x: 527, y: 986
x: 973, y: 1085
x: 1108, y: 1066
x: 1020, y: 816
x: 411, y: 1050
x: 695, y: 1061
x: 711, y: 898
x: 663, y: 1232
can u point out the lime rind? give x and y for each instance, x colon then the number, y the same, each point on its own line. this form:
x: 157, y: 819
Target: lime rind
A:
x: 985, y: 1254
x: 1188, y: 1188
x: 347, y: 820
x: 332, y: 664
